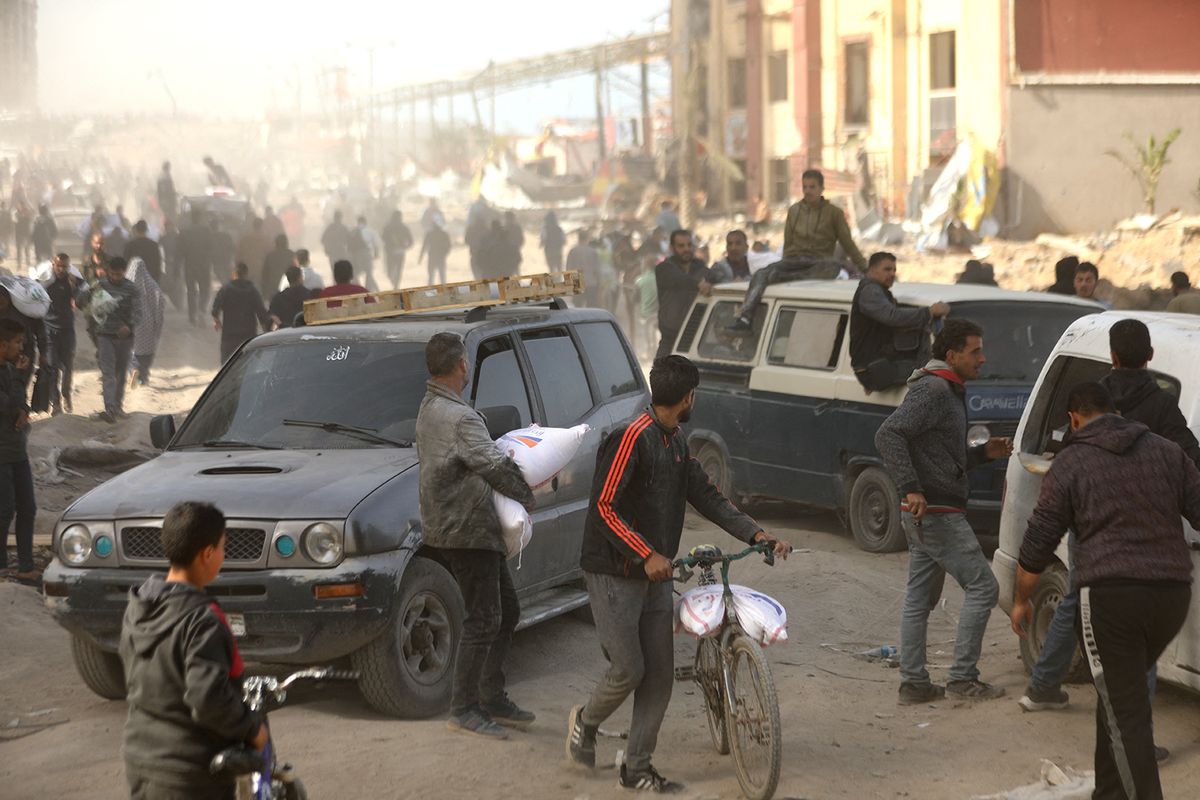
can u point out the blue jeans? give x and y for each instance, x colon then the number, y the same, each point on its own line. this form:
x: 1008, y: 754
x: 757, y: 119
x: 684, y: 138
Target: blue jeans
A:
x: 17, y: 499
x: 944, y: 544
x: 1058, y: 648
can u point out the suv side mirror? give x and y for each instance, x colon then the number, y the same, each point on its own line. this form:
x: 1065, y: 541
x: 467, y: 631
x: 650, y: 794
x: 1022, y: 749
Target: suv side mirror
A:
x: 162, y: 430
x: 501, y: 419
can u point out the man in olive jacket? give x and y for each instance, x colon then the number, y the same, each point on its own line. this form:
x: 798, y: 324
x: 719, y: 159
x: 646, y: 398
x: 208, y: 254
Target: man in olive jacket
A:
x: 460, y: 468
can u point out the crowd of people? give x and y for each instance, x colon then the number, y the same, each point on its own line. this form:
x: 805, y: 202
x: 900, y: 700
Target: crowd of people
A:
x: 1131, y: 572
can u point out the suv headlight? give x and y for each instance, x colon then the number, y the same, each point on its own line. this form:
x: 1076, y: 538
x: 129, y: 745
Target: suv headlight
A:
x: 75, y: 544
x: 322, y: 543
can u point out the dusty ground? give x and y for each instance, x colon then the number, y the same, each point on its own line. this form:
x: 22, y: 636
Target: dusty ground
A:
x: 844, y: 736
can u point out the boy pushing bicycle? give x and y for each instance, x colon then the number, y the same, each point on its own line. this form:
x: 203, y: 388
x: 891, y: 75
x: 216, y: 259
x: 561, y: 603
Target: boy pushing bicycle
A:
x: 644, y: 479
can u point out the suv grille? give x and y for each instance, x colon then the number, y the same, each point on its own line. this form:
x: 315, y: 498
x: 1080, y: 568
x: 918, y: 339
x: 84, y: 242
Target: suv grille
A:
x: 241, y: 544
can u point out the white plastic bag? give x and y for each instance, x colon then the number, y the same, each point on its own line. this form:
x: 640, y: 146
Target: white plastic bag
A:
x: 762, y: 618
x: 541, y: 453
x: 515, y: 524
x: 700, y: 611
x: 28, y: 296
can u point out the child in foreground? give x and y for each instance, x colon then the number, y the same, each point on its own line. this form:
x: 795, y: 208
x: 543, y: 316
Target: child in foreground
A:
x: 182, y: 668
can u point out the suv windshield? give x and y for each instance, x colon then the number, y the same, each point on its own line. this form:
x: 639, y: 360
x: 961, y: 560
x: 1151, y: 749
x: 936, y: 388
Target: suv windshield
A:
x: 1018, y: 337
x: 314, y: 394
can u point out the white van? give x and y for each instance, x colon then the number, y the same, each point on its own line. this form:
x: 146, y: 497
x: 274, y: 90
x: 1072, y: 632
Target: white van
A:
x: 1082, y: 354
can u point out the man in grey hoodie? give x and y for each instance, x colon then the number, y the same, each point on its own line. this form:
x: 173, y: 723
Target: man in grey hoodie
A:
x: 924, y: 444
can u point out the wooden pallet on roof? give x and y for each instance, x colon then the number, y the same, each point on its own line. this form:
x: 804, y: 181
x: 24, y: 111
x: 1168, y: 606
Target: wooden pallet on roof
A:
x: 442, y: 297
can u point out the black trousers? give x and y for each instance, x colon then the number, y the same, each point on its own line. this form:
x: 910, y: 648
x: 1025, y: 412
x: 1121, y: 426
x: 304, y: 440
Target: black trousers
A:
x: 666, y: 342
x: 1123, y: 629
x: 60, y: 355
x: 492, y: 615
x: 198, y: 281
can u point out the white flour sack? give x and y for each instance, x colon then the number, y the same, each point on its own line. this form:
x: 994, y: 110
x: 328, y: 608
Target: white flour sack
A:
x: 541, y: 453
x: 761, y: 616
x: 700, y: 611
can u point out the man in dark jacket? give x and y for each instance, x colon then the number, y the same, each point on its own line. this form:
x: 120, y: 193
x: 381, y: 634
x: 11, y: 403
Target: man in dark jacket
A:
x: 196, y: 254
x: 44, y: 231
x: 924, y: 444
x: 143, y: 247
x: 678, y: 279
x: 1138, y: 397
x: 289, y: 303
x: 886, y: 342
x: 114, y: 337
x: 645, y: 478
x: 460, y: 469
x: 17, y: 498
x: 238, y: 311
x: 168, y: 199
x: 64, y: 290
x: 183, y: 672
x: 435, y: 247
x: 336, y: 240
x: 1122, y: 490
x: 276, y: 265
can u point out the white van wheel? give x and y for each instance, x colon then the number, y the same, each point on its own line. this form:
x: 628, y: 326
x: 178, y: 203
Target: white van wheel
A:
x: 712, y: 459
x: 1051, y: 588
x: 874, y: 513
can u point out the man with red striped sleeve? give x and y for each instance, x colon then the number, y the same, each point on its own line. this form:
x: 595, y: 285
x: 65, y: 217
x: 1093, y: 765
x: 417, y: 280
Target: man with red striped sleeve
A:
x: 645, y: 477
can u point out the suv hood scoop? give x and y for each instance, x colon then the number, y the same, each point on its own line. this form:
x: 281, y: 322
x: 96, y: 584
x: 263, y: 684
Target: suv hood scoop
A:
x: 244, y: 469
x: 287, y: 484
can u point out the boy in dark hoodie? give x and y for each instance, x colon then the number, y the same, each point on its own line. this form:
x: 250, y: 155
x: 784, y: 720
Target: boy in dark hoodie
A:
x: 182, y: 668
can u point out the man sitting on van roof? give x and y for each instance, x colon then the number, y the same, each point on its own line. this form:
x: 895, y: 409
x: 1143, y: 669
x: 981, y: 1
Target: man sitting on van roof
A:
x: 814, y: 229
x: 1185, y: 300
x: 887, y: 342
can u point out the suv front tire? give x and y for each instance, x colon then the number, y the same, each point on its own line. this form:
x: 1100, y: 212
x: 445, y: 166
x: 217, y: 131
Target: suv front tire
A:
x: 101, y: 670
x: 408, y: 671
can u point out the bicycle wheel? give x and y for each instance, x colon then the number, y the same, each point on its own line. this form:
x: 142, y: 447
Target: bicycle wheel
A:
x: 754, y: 730
x: 708, y: 674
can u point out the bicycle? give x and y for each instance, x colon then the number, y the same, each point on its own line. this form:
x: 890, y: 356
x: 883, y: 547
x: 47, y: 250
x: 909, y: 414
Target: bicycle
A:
x: 247, y: 766
x: 736, y: 682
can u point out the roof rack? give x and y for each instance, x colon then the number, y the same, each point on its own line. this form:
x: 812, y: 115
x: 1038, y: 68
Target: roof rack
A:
x: 443, y: 297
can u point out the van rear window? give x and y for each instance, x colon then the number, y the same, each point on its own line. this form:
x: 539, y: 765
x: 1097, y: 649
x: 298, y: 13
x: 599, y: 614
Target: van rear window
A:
x: 718, y: 344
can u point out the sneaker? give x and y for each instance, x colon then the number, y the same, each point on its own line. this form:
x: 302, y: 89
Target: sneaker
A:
x: 66, y: 401
x: 504, y: 711
x: 914, y: 694
x: 477, y: 723
x: 56, y: 410
x: 1161, y: 754
x: 973, y: 690
x: 648, y: 781
x: 581, y: 740
x: 104, y: 416
x: 739, y: 325
x: 1036, y: 699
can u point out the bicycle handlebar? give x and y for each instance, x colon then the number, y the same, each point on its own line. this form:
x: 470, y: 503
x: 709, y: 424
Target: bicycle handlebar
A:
x: 766, y: 547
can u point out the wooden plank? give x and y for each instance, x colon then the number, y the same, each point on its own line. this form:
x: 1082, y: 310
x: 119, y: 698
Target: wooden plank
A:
x: 443, y: 297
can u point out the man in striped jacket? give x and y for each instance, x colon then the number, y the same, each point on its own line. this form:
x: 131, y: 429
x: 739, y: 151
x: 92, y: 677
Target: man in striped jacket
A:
x: 644, y: 479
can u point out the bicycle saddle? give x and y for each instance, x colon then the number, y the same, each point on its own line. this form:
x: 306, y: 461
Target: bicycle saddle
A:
x: 234, y: 761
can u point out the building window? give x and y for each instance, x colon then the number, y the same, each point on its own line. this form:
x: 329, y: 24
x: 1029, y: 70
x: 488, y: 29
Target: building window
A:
x: 943, y: 102
x: 781, y: 179
x: 941, y: 60
x: 736, y: 78
x: 856, y: 110
x: 777, y: 76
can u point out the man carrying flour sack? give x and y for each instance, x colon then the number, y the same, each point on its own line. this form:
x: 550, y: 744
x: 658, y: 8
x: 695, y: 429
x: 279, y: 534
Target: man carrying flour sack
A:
x: 460, y: 467
x: 645, y: 477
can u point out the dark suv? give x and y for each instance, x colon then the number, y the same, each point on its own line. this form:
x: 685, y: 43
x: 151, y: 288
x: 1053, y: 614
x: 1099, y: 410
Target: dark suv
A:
x: 304, y: 440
